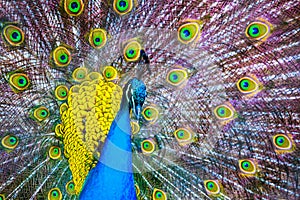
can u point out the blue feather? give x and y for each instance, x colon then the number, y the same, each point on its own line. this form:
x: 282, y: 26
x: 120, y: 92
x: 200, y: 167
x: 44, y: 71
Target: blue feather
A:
x: 112, y: 178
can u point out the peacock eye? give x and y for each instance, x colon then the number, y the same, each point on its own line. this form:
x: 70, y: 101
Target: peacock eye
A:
x: 159, y: 195
x: 54, y: 194
x: 19, y: 81
x: 189, y: 32
x: 61, y: 92
x: 257, y: 30
x: 132, y: 51
x: 247, y: 166
x: 97, y: 38
x: 247, y: 85
x: 73, y: 7
x: 177, y: 77
x: 79, y: 74
x: 13, y: 35
x: 61, y: 56
x: 212, y: 187
x: 2, y: 197
x: 148, y: 146
x: 9, y: 142
x: 123, y: 7
x: 183, y: 136
x: 223, y: 112
x: 110, y: 73
x: 70, y: 187
x: 282, y: 142
x: 150, y: 114
x: 54, y: 152
x: 41, y: 113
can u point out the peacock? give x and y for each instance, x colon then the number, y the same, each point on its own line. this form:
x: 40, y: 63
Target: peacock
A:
x: 149, y: 99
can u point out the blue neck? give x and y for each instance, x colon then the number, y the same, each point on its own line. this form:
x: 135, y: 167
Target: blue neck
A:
x: 112, y: 178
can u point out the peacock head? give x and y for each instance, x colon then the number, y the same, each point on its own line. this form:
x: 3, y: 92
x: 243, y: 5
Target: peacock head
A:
x: 135, y: 94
